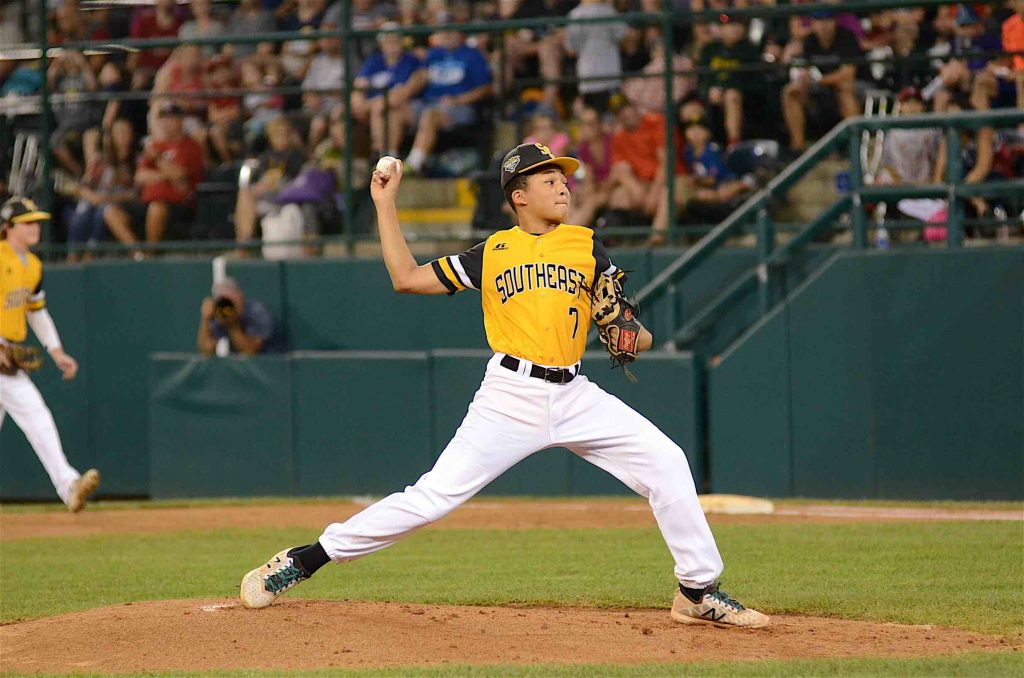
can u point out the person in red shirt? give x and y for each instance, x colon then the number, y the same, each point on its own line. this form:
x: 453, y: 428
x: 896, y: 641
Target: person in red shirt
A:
x: 638, y: 159
x: 160, y: 22
x: 168, y: 172
x: 1013, y: 41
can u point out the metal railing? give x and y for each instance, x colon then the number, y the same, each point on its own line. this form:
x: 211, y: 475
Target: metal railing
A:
x: 756, y: 210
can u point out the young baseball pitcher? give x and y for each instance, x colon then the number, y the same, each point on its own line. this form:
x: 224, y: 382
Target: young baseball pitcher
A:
x: 24, y: 305
x: 541, y: 283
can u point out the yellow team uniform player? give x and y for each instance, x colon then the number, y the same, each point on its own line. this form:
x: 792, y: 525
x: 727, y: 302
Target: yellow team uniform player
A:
x: 534, y: 290
x: 21, y: 289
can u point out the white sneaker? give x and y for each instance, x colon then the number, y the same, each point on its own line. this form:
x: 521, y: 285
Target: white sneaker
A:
x: 262, y: 586
x: 716, y: 607
x: 82, y: 489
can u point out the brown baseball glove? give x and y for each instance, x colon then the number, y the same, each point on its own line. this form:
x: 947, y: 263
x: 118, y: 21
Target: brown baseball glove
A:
x: 617, y: 321
x: 20, y: 357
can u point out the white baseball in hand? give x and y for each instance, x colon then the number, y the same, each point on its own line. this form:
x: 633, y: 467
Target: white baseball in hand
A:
x: 386, y: 165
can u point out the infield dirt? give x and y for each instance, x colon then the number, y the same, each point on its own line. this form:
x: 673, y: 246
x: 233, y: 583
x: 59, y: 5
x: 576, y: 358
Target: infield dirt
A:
x: 201, y: 635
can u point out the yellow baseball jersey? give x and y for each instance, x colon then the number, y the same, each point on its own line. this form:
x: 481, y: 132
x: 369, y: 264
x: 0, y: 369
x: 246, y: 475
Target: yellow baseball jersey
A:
x: 21, y: 290
x: 533, y: 289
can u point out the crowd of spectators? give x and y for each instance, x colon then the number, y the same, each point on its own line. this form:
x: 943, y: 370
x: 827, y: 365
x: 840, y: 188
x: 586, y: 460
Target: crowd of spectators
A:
x: 162, y: 119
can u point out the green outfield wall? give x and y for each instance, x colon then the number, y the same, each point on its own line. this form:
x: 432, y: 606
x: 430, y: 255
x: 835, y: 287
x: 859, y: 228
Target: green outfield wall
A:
x: 889, y: 375
x: 895, y: 375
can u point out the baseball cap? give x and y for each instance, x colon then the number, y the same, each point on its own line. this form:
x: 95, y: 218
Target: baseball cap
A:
x: 19, y: 210
x: 526, y: 157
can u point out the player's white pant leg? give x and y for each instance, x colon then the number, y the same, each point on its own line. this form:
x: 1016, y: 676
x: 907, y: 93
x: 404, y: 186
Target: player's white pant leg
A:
x: 20, y: 397
x: 507, y: 422
x: 614, y: 437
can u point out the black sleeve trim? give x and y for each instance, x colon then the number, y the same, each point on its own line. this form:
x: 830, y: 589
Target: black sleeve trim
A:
x: 602, y: 262
x: 442, y: 277
x: 472, y: 261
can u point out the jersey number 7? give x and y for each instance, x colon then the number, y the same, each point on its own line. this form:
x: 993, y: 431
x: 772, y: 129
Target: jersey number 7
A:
x: 573, y: 311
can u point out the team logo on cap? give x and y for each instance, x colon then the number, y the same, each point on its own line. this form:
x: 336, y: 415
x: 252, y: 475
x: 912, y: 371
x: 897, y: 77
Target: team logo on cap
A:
x: 511, y: 164
x: 545, y: 150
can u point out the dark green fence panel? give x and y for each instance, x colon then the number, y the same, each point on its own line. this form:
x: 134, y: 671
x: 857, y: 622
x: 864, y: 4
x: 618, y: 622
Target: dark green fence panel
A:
x: 264, y: 281
x: 832, y: 410
x: 665, y: 392
x: 748, y: 414
x: 220, y: 426
x: 352, y: 306
x: 21, y: 474
x: 134, y: 309
x: 946, y: 373
x: 362, y: 421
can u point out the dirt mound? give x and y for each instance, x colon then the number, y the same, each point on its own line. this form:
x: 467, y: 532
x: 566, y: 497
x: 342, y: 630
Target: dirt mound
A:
x: 197, y: 635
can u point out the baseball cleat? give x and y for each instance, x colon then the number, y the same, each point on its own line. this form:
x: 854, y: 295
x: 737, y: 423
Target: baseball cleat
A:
x: 82, y: 489
x: 716, y: 607
x: 262, y: 586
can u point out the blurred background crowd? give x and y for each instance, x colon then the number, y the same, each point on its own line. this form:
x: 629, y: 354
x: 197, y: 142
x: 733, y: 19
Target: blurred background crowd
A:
x: 147, y: 142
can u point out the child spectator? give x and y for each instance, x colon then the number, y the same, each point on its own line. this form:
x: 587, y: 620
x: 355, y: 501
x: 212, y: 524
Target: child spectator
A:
x: 726, y: 86
x: 544, y: 130
x: 596, y: 46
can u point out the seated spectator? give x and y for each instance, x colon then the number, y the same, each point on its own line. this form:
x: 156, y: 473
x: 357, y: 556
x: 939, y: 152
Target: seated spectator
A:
x: 966, y: 76
x: 161, y: 21
x: 307, y: 16
x: 109, y: 180
x: 182, y: 82
x: 70, y: 24
x: 384, y: 90
x: 596, y: 47
x: 365, y: 15
x: 543, y: 129
x: 594, y: 150
x: 647, y: 91
x: 243, y: 324
x: 638, y: 152
x: 710, y: 192
x: 279, y: 164
x: 532, y: 52
x: 322, y: 86
x: 726, y: 86
x: 828, y: 51
x: 259, y: 76
x: 69, y: 75
x: 224, y: 113
x: 202, y: 25
x: 1013, y: 41
x: 249, y: 18
x: 169, y: 169
x: 458, y: 78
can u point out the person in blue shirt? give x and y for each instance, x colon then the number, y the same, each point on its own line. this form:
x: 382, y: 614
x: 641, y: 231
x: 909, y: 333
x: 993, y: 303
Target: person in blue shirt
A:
x: 458, y: 77
x: 245, y: 323
x: 384, y: 90
x: 714, y: 182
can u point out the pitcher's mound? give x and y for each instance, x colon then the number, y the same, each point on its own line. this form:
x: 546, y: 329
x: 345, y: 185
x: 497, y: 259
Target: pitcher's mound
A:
x: 201, y: 635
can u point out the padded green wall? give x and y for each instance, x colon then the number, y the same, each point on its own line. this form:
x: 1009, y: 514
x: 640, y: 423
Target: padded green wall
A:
x: 893, y: 375
x: 360, y: 423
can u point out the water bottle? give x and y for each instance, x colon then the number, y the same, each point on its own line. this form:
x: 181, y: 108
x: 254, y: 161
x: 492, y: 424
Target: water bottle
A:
x: 882, y: 237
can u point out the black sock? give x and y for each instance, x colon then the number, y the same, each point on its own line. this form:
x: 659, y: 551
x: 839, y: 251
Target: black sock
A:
x: 693, y: 595
x: 310, y: 558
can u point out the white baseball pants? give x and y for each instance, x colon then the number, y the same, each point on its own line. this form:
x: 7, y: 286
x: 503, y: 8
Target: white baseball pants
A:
x: 513, y: 416
x: 20, y: 397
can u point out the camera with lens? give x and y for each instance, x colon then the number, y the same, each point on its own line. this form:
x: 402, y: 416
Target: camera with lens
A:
x: 224, y: 309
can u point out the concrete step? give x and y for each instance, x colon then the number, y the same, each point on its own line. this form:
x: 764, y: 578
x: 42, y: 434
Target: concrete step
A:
x: 815, y: 192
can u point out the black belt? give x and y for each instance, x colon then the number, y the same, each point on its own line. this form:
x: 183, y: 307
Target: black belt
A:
x: 552, y: 375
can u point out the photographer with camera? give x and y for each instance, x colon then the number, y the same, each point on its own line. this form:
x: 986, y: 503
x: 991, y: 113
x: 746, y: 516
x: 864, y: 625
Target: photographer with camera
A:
x: 246, y: 324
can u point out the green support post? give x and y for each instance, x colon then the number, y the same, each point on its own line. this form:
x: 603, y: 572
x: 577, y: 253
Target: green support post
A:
x: 860, y: 232
x: 46, y: 196
x: 954, y: 173
x: 668, y: 44
x: 765, y: 249
x: 346, y: 36
x: 672, y: 309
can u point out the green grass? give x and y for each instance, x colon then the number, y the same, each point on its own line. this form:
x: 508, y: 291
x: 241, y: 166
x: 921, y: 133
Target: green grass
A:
x: 981, y: 665
x: 966, y: 575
